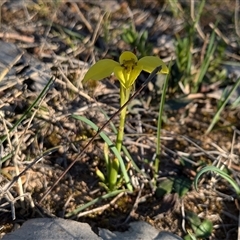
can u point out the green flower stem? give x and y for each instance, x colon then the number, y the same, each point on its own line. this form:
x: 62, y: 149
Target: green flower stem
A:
x: 114, y: 168
x: 114, y: 164
x: 124, y: 96
x: 159, y: 126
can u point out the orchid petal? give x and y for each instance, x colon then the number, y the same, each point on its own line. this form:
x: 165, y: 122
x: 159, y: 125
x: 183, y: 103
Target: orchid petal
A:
x: 118, y: 72
x: 127, y: 78
x: 133, y: 75
x: 127, y: 56
x: 149, y: 63
x: 100, y: 70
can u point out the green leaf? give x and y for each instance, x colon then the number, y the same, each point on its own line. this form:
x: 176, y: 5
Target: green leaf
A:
x: 182, y: 185
x: 190, y: 236
x: 100, y: 175
x: 205, y: 229
x: 164, y: 187
x: 193, y: 220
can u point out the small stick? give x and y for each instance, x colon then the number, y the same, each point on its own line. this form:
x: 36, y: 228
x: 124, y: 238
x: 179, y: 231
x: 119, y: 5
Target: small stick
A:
x: 135, y: 205
x: 16, y: 36
x: 102, y: 208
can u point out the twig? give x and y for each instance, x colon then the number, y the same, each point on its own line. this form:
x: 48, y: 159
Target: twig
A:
x: 96, y: 32
x: 232, y: 55
x: 219, y: 33
x: 238, y: 224
x: 102, y: 208
x: 236, y: 19
x: 83, y: 19
x: 183, y: 216
x: 135, y: 205
x: 200, y: 32
x: 232, y: 148
x: 66, y: 204
x: 16, y: 36
x: 47, y: 31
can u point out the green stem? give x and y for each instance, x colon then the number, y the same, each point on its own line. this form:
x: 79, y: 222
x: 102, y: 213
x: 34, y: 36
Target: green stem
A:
x: 124, y: 96
x: 114, y: 164
x: 159, y: 127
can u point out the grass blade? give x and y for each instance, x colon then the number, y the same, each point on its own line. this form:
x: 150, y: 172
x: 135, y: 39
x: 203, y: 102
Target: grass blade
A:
x: 206, y: 62
x: 220, y: 109
x: 221, y: 173
x: 159, y: 125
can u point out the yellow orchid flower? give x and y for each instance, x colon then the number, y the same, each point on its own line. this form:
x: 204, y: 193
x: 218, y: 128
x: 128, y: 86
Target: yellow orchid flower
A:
x: 126, y: 70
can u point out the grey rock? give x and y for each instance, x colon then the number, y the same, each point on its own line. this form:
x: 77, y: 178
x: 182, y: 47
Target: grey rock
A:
x: 137, y: 231
x: 164, y: 235
x: 58, y: 228
x: 52, y: 228
x: 13, y: 61
x: 9, y: 55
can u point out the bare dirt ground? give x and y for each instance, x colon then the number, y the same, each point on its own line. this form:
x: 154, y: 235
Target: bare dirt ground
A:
x: 61, y: 39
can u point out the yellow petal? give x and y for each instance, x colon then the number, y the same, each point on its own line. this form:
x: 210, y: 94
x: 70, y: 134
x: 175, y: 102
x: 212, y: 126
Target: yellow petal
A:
x: 133, y: 76
x: 149, y: 63
x: 100, y: 70
x: 125, y: 77
x: 127, y: 56
x: 118, y: 72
